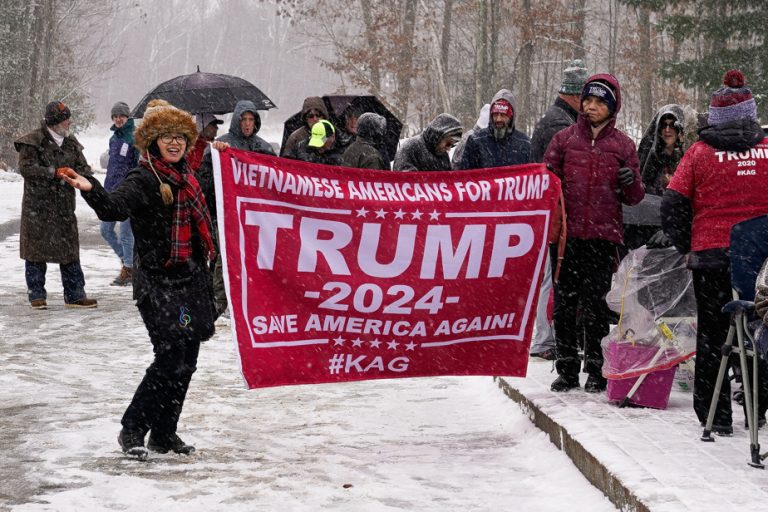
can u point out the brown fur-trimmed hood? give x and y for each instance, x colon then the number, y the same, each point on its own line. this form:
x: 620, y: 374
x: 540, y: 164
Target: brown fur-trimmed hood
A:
x: 160, y: 118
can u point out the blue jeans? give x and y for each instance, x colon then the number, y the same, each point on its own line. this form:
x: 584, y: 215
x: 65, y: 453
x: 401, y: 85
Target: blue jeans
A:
x: 122, y: 245
x: 71, y: 277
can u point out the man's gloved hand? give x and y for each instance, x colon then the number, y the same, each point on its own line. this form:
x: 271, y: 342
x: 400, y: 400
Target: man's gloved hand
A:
x: 64, y: 171
x: 659, y: 240
x: 626, y: 176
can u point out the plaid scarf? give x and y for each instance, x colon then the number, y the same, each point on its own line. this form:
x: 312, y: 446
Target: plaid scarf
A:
x: 190, y: 206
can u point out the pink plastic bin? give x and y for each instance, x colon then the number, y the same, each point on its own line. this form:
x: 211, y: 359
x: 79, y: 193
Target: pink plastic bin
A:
x: 655, y: 389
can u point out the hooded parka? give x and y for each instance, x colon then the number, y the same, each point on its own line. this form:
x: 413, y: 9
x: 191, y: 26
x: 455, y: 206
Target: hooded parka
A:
x: 589, y: 170
x: 483, y: 150
x: 418, y: 153
x: 302, y: 133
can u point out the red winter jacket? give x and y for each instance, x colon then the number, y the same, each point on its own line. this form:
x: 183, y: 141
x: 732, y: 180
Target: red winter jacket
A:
x: 724, y: 187
x: 589, y: 170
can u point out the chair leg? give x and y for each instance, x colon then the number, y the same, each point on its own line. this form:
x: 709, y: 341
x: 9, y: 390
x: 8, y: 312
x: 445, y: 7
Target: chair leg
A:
x: 706, y: 436
x: 750, y: 393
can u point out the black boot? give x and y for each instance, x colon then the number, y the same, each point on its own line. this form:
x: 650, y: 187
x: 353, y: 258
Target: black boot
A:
x: 565, y: 382
x: 132, y: 443
x: 163, y: 443
x: 595, y: 383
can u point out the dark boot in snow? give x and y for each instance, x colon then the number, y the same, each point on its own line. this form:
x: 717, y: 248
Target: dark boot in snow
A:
x: 565, y: 382
x: 595, y: 383
x: 163, y: 443
x: 132, y: 443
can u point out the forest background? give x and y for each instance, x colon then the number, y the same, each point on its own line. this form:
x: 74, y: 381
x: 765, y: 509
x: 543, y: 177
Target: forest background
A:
x: 421, y: 57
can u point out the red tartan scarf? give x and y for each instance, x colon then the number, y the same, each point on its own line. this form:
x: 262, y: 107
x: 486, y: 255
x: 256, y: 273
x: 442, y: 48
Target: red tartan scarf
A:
x: 190, y: 208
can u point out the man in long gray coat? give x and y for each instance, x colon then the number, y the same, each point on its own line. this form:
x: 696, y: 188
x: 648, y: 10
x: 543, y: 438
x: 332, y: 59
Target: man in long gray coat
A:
x: 48, y: 223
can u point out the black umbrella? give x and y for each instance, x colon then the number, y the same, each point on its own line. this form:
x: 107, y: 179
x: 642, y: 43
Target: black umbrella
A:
x: 337, y: 106
x: 200, y: 93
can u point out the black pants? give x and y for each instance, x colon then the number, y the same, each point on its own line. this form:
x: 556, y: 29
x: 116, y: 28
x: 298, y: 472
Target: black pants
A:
x: 177, y: 319
x: 712, y: 288
x: 585, y: 279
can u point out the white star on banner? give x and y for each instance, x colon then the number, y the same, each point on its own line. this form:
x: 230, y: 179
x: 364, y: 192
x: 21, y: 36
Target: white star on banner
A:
x: 434, y: 215
x: 416, y: 215
x: 357, y: 342
x: 375, y: 343
x: 362, y: 212
x: 380, y: 213
x: 399, y: 214
x: 410, y: 346
x: 338, y: 341
x: 392, y: 345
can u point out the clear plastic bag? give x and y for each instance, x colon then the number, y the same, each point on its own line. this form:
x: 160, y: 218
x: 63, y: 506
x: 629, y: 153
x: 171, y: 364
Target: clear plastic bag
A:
x: 653, y: 293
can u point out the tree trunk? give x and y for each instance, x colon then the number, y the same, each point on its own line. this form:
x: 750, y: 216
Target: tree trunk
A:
x: 406, y: 59
x: 523, y: 115
x: 646, y: 76
x: 48, y: 49
x: 445, y: 39
x: 493, y: 50
x: 370, y: 35
x: 579, y: 51
x: 481, y: 54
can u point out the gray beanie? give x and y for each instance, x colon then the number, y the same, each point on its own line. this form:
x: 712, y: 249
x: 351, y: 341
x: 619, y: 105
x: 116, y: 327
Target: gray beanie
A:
x: 574, y: 78
x: 120, y: 109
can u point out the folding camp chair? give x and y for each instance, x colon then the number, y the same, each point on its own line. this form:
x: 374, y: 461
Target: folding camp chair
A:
x: 748, y: 251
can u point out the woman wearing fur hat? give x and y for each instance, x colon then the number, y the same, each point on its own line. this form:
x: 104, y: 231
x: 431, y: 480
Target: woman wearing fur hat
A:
x: 173, y: 245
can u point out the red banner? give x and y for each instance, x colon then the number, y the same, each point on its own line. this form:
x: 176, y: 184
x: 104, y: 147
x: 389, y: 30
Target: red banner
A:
x: 337, y: 274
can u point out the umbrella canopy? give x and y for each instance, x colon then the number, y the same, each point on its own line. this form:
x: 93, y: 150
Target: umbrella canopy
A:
x: 337, y: 107
x: 200, y: 93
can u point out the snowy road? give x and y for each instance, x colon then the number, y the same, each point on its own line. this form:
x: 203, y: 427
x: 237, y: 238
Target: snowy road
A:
x: 438, y: 444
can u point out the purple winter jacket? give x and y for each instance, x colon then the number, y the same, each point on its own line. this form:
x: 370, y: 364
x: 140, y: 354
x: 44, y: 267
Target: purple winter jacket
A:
x: 589, y: 172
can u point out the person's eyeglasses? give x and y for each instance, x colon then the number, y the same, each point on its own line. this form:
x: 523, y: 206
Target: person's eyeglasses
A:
x: 315, y: 115
x: 169, y: 138
x: 668, y: 124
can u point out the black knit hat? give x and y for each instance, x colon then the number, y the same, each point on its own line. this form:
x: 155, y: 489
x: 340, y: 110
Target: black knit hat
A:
x: 56, y: 112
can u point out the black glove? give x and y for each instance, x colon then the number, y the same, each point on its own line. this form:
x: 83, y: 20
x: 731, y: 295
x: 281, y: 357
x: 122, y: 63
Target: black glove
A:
x: 659, y: 240
x: 626, y: 176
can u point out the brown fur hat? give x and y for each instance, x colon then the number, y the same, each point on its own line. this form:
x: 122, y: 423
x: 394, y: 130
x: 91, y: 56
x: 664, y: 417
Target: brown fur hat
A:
x: 160, y: 118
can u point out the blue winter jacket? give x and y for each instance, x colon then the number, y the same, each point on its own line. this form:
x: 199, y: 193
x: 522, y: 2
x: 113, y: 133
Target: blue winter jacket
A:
x: 482, y: 150
x: 122, y: 155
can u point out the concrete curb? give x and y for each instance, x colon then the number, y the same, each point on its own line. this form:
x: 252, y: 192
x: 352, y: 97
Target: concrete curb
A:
x: 594, y: 470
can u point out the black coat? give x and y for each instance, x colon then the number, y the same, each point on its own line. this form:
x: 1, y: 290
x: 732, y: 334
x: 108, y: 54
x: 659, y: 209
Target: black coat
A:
x: 418, y: 153
x: 138, y: 198
x: 362, y: 154
x: 483, y: 151
x: 559, y: 115
x: 306, y: 153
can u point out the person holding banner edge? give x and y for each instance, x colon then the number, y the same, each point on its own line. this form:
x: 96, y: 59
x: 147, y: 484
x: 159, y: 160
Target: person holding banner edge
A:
x: 172, y: 284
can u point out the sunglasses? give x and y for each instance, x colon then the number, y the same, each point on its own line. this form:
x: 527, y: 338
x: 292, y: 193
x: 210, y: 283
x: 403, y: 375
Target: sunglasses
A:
x: 667, y: 124
x: 315, y: 115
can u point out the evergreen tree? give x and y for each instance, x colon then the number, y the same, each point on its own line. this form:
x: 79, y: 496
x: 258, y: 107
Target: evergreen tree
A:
x: 716, y: 36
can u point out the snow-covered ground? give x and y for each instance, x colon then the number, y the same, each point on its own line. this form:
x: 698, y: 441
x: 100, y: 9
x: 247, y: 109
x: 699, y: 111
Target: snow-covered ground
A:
x: 437, y: 444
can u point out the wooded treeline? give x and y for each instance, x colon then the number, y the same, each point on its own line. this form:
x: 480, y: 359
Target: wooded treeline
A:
x: 49, y: 49
x: 422, y: 57
x: 430, y: 56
